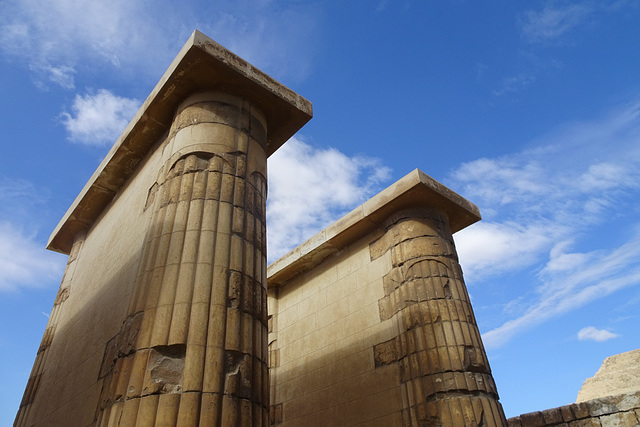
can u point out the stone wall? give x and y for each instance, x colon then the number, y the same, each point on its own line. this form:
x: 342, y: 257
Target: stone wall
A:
x: 619, y: 374
x: 370, y: 320
x: 622, y: 410
x: 64, y: 387
x: 323, y: 328
x: 161, y: 315
x: 161, y: 318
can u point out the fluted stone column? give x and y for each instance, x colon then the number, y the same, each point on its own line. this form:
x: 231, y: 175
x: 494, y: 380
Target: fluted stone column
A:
x: 193, y: 350
x: 445, y: 374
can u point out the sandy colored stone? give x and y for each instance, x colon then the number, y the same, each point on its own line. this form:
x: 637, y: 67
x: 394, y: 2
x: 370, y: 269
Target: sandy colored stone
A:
x: 177, y: 204
x: 618, y: 374
x: 385, y: 290
x: 621, y: 419
x: 370, y: 324
x: 283, y: 111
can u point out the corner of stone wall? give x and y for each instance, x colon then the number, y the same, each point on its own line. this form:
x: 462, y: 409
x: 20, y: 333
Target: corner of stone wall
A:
x: 622, y: 410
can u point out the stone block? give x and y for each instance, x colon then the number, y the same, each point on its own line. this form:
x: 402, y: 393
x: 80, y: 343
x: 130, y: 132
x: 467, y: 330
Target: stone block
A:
x: 420, y: 247
x: 275, y: 414
x: 586, y: 422
x: 580, y: 410
x: 553, y: 416
x: 620, y: 419
x: 603, y: 406
x: 532, y: 419
x: 385, y: 353
x: 626, y: 401
x: 567, y: 413
x: 514, y: 422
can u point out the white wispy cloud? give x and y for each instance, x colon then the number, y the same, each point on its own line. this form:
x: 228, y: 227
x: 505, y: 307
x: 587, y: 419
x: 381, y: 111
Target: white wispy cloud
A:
x: 491, y: 248
x: 573, y: 288
x: 14, y: 189
x: 514, y: 84
x: 20, y: 201
x: 309, y: 188
x: 595, y: 334
x: 24, y: 261
x: 99, y: 118
x: 57, y: 38
x: 552, y: 22
x: 540, y: 203
x: 62, y: 75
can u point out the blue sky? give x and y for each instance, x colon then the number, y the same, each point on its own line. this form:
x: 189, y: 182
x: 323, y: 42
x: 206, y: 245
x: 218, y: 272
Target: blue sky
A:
x: 531, y: 110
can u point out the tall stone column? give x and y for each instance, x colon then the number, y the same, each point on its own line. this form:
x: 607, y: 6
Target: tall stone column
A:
x: 165, y: 323
x: 193, y: 350
x: 444, y: 372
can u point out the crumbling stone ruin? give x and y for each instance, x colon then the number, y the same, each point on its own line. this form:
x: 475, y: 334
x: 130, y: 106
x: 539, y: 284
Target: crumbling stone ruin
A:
x: 371, y: 321
x: 611, y: 398
x: 167, y: 314
x: 161, y: 317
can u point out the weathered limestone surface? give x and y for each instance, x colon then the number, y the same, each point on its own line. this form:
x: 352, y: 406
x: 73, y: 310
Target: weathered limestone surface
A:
x: 323, y: 327
x: 201, y: 65
x: 161, y: 316
x: 444, y: 371
x: 621, y: 410
x: 610, y: 399
x: 371, y: 322
x: 43, y: 351
x: 618, y: 374
x: 195, y: 335
x: 164, y: 316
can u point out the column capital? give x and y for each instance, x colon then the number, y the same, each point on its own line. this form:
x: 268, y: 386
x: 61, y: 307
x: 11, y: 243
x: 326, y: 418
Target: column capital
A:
x: 201, y: 65
x: 415, y: 190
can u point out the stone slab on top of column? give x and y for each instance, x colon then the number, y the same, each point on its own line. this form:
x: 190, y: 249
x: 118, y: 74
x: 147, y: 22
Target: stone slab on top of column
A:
x: 201, y: 65
x: 415, y: 190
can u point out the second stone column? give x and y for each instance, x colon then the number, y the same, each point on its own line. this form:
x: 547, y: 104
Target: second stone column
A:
x: 444, y: 372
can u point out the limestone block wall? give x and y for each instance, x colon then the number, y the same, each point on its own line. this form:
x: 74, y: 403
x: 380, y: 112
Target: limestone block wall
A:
x: 622, y: 410
x: 370, y: 321
x: 323, y: 331
x: 91, y: 305
x: 161, y: 318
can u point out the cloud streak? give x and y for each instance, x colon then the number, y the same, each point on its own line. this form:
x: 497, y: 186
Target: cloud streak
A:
x: 540, y: 203
x: 57, y: 38
x: 269, y: 37
x: 613, y: 271
x: 24, y: 261
x: 552, y: 22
